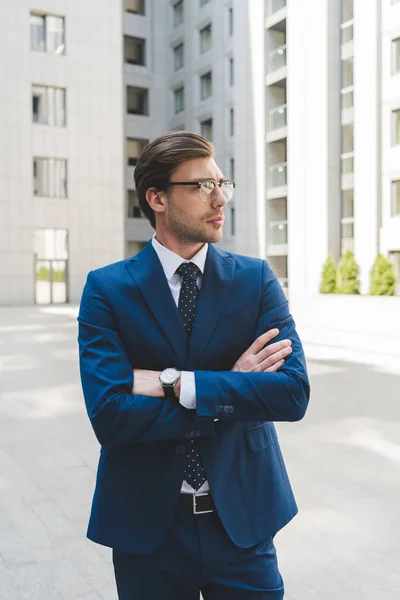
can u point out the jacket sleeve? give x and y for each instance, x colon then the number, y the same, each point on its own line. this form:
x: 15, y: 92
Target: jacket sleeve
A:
x: 119, y: 417
x: 280, y: 396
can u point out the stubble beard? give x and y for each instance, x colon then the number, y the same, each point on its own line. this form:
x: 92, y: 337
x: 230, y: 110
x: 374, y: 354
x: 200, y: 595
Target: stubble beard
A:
x: 189, y: 233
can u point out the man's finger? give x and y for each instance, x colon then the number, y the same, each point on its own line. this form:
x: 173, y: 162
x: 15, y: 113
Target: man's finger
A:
x: 274, y: 367
x: 274, y: 358
x: 273, y: 348
x: 260, y: 342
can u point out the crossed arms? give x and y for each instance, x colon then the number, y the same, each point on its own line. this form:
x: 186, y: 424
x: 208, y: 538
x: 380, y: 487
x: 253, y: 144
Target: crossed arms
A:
x: 125, y: 408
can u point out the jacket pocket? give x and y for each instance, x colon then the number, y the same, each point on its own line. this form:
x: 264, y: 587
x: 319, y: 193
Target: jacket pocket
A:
x: 261, y: 436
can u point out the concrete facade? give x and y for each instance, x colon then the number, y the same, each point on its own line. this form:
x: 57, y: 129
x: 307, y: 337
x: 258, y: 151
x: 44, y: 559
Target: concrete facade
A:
x: 90, y: 142
x: 302, y: 100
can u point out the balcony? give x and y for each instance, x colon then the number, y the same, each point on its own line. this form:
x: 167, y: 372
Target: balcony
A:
x: 273, y: 6
x: 278, y: 232
x: 277, y: 125
x: 277, y: 181
x: 277, y: 242
x: 277, y: 59
x: 275, y: 11
x: 276, y: 66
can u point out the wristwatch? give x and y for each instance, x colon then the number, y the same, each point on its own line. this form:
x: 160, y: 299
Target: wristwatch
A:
x: 168, y: 378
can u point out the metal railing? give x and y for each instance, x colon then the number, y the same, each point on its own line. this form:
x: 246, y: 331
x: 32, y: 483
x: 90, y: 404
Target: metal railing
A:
x: 274, y: 5
x: 277, y: 59
x: 278, y: 117
x: 278, y: 175
x: 278, y: 232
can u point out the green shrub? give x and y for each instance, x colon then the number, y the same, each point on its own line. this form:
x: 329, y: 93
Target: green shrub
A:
x: 347, y: 281
x: 328, y: 277
x: 382, y: 278
x: 43, y: 274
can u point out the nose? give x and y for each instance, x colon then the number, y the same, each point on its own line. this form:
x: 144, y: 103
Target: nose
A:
x: 218, y: 199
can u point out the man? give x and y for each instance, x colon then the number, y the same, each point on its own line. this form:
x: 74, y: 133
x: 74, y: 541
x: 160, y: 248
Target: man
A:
x: 187, y: 356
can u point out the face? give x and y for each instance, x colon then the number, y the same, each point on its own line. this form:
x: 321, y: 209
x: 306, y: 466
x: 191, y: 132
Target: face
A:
x: 187, y: 218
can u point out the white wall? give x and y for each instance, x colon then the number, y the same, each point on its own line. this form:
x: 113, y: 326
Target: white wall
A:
x: 92, y: 142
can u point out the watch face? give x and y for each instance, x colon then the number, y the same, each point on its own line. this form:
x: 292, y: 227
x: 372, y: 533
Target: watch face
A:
x: 169, y: 376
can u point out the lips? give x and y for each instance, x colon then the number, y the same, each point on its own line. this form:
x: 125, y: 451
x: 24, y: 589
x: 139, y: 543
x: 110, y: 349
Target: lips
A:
x: 218, y: 220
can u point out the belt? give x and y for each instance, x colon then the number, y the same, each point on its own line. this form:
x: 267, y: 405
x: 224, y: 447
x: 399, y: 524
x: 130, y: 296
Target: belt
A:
x: 198, y: 503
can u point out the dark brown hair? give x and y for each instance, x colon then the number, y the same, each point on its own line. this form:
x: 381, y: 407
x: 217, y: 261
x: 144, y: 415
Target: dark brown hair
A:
x: 161, y: 158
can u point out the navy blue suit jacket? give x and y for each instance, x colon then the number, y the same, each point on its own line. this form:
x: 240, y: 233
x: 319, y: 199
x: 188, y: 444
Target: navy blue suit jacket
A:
x: 128, y: 320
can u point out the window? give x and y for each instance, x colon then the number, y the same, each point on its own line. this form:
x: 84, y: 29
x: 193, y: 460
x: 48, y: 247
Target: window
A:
x: 232, y: 168
x: 206, y: 85
x: 347, y: 230
x: 347, y: 10
x: 50, y: 177
x: 396, y: 56
x: 178, y: 57
x: 230, y: 21
x: 134, y: 50
x: 347, y: 98
x: 134, y: 148
x: 348, y: 138
x: 395, y: 198
x: 179, y: 99
x: 47, y: 33
x: 178, y: 13
x: 205, y: 39
x: 347, y: 72
x: 134, y: 6
x: 231, y: 72
x: 137, y: 100
x: 347, y: 204
x: 396, y: 127
x: 347, y: 32
x: 48, y: 105
x: 231, y: 121
x: 347, y: 164
x: 206, y: 129
x: 133, y: 208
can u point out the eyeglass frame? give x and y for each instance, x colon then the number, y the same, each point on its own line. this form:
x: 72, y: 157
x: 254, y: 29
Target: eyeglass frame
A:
x: 199, y: 183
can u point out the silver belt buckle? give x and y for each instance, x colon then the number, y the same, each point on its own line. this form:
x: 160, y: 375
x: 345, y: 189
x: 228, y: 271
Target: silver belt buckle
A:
x: 200, y: 512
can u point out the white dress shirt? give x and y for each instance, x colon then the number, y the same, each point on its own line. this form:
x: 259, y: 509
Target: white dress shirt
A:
x: 170, y: 262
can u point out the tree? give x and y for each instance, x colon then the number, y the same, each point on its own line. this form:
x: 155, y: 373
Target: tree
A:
x: 328, y: 277
x: 347, y: 281
x: 382, y: 278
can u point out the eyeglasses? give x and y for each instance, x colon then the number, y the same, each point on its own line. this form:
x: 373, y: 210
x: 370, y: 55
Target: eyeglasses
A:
x: 207, y: 188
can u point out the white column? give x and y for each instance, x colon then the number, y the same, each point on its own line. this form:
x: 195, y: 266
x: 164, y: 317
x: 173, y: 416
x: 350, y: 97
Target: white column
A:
x: 313, y: 140
x: 366, y: 136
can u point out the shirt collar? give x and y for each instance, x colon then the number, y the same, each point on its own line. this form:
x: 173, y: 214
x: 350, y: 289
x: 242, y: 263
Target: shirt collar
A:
x: 171, y: 262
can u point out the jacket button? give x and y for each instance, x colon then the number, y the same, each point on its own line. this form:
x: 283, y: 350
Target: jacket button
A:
x: 226, y: 409
x: 197, y: 433
x: 192, y: 434
x: 231, y: 409
x: 215, y: 408
x: 180, y: 449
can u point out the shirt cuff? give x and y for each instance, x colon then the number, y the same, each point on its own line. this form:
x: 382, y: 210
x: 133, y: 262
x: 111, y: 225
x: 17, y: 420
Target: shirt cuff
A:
x: 188, y: 390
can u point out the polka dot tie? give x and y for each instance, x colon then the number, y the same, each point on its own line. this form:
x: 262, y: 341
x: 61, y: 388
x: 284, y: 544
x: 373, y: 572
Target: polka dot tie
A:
x: 195, y: 474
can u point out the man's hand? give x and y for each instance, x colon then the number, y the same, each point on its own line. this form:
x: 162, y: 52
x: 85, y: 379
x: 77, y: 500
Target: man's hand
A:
x: 264, y: 360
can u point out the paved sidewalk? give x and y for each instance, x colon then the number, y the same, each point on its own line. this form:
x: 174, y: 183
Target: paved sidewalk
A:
x: 343, y: 460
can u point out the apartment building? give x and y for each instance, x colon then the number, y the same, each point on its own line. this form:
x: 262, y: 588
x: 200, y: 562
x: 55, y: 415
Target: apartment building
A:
x: 85, y: 85
x: 301, y: 100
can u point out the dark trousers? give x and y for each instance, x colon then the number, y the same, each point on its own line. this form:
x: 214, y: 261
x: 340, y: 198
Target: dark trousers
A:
x: 198, y: 555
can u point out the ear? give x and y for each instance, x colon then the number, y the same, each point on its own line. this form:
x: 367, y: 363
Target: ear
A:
x: 156, y: 199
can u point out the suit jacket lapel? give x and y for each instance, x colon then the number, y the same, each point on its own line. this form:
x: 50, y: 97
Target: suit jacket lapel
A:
x: 218, y: 275
x: 146, y: 270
